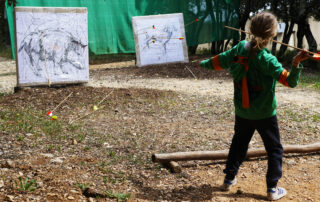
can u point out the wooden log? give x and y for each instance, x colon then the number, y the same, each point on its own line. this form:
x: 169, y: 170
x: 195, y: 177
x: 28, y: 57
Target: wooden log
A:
x: 174, y: 167
x: 223, y: 154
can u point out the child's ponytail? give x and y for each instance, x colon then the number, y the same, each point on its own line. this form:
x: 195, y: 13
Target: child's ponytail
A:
x: 263, y: 27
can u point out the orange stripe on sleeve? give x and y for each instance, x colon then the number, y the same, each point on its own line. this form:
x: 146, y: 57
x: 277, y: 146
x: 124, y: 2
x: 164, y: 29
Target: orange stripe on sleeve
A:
x: 284, y: 78
x: 216, y: 63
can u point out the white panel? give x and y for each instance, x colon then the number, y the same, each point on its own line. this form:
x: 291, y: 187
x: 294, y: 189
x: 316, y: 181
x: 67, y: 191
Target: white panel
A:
x: 52, y: 45
x: 160, y: 39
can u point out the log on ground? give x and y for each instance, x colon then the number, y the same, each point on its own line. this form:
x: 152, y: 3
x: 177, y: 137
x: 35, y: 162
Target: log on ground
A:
x: 223, y: 154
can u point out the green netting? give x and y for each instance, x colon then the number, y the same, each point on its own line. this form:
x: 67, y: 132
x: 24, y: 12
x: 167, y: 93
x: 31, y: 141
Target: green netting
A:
x: 110, y: 22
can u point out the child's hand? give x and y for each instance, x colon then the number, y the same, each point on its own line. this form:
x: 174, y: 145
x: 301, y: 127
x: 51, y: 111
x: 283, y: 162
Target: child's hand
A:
x: 301, y: 56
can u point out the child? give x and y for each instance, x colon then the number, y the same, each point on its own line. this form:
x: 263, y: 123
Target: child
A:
x: 255, y: 72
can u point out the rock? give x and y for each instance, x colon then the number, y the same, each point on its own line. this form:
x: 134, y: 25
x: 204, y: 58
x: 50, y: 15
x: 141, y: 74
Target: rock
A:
x: 91, y: 200
x: 239, y: 191
x: 74, y: 142
x: 4, y: 169
x: 47, y: 155
x: 74, y: 191
x: 243, y: 175
x: 1, y: 183
x: 107, y: 145
x: 9, y: 198
x: 70, y: 197
x: 10, y: 164
x: 57, y: 160
x: 92, y: 193
x: 291, y: 162
x: 39, y: 184
x: 29, y: 134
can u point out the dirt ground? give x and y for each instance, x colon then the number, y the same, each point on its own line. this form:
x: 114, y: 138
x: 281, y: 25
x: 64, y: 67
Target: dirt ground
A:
x: 106, y: 155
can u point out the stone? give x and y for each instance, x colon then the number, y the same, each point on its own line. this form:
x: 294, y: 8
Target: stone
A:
x: 10, y: 198
x: 10, y: 164
x: 57, y: 160
x: 47, y: 155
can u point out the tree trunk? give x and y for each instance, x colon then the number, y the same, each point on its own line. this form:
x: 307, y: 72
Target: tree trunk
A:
x: 226, y: 45
x: 286, y: 37
x: 300, y: 34
x: 192, y: 49
x: 217, y: 47
x: 310, y: 39
x: 304, y: 30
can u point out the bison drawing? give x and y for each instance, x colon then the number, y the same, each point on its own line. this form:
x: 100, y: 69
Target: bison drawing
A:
x: 56, y: 49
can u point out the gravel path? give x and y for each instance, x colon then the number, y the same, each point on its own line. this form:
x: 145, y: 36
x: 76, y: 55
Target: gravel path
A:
x: 300, y: 97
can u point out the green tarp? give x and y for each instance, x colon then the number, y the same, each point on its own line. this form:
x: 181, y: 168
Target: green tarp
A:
x: 110, y: 21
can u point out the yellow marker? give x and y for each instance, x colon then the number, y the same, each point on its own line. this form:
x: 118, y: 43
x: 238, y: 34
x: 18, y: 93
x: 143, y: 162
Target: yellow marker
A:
x: 54, y: 117
x: 95, y: 108
x: 181, y: 38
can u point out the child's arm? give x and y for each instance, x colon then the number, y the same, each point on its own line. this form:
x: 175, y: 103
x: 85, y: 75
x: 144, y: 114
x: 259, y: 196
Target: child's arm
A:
x: 291, y: 79
x: 221, y: 61
x: 275, y: 69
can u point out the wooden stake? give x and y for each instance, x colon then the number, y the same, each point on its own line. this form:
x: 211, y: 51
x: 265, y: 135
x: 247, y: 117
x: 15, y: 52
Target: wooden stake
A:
x: 81, y: 117
x: 239, y: 30
x: 223, y: 154
x: 191, y: 72
x: 62, y: 102
x: 105, y: 98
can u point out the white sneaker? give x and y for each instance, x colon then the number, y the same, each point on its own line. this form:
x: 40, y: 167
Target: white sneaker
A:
x: 228, y: 184
x: 276, y: 193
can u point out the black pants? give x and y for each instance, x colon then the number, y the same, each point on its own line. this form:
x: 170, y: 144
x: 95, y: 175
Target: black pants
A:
x: 269, y: 132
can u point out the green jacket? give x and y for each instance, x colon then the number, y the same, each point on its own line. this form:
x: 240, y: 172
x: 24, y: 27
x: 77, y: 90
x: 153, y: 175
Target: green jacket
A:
x: 263, y: 73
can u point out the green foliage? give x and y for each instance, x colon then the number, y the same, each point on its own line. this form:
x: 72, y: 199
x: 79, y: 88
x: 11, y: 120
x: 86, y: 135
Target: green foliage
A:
x: 25, y: 184
x: 81, y: 186
x: 3, y: 94
x: 112, y: 154
x: 4, y: 32
x: 315, y: 118
x: 312, y: 80
x: 119, y: 196
x: 37, y: 123
x: 114, y: 177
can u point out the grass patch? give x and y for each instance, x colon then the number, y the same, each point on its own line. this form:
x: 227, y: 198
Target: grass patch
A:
x: 35, y: 122
x: 25, y: 184
x: 310, y: 80
x: 81, y: 186
x: 119, y: 196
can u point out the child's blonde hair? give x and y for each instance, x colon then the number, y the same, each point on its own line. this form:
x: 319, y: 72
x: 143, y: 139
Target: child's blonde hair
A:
x: 264, y: 27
